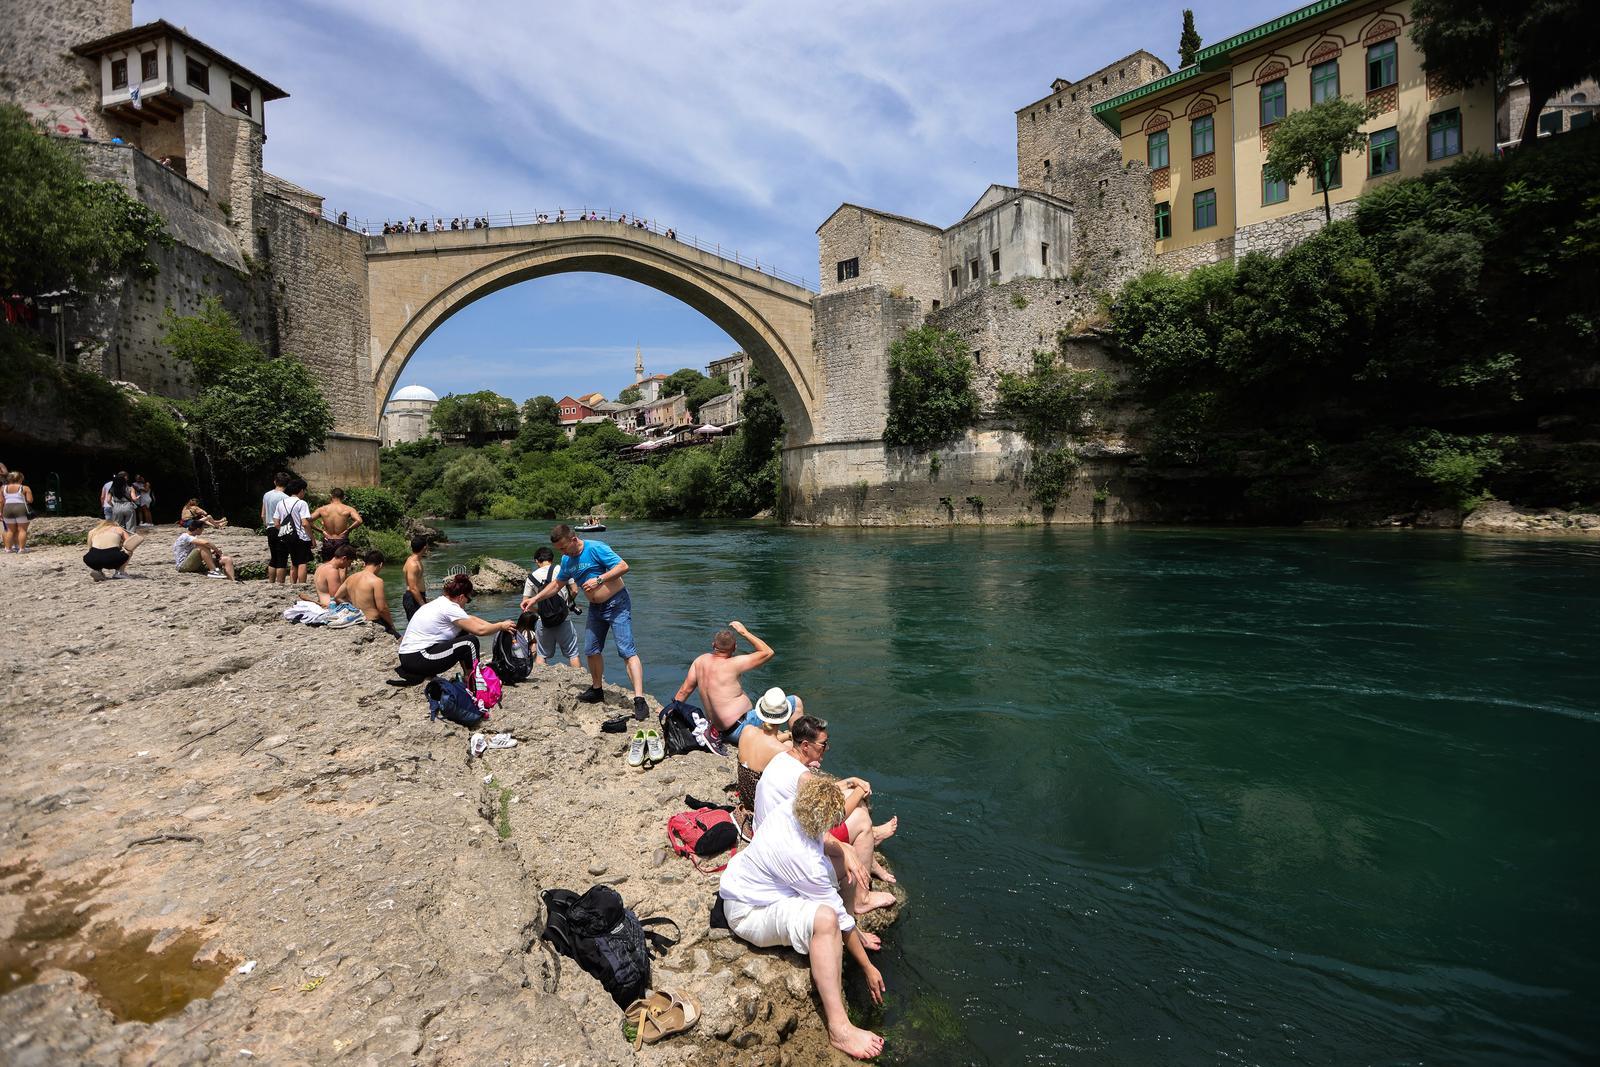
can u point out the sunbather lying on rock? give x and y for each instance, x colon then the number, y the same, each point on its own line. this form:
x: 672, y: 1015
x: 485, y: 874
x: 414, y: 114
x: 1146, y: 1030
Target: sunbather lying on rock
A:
x: 850, y: 843
x: 779, y: 891
x: 441, y: 633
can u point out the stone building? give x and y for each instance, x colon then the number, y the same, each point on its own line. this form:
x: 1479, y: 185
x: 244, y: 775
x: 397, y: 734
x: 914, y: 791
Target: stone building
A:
x: 1204, y: 131
x: 1008, y: 234
x: 1573, y: 108
x: 406, y: 416
x: 722, y: 410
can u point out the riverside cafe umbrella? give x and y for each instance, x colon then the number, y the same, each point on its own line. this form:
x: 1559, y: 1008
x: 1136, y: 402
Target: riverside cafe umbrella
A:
x: 709, y: 429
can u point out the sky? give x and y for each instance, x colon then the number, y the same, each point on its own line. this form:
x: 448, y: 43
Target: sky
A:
x: 742, y: 123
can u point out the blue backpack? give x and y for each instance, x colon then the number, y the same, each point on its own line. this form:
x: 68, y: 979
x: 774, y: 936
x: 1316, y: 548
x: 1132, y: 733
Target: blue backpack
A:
x: 449, y: 699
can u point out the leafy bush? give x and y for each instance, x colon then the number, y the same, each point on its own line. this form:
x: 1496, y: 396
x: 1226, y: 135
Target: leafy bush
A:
x: 468, y: 483
x: 1052, y: 400
x: 931, y: 399
x: 392, y: 543
x: 381, y: 508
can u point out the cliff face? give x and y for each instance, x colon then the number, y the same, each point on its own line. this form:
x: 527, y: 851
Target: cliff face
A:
x: 241, y: 810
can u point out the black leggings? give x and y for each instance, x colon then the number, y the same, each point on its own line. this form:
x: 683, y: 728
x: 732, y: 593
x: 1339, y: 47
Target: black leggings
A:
x: 105, y: 559
x: 436, y: 659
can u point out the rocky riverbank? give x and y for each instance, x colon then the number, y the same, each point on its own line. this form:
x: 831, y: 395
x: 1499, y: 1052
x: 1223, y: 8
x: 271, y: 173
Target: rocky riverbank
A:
x: 203, y: 801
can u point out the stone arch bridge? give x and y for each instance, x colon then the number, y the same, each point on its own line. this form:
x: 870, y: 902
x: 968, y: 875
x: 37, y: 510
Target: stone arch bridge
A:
x: 417, y: 281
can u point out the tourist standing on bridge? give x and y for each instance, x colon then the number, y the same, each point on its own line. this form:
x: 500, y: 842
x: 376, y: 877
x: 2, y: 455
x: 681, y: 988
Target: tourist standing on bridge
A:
x: 598, y: 572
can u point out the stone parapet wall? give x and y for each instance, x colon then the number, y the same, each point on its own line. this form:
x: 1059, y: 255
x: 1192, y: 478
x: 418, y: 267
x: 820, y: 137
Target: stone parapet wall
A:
x: 1276, y: 236
x: 852, y: 332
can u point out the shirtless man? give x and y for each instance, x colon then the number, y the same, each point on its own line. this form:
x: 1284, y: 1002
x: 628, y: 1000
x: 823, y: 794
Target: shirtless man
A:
x: 364, y: 589
x: 337, y: 519
x: 416, y: 593
x: 331, y: 575
x: 716, y: 675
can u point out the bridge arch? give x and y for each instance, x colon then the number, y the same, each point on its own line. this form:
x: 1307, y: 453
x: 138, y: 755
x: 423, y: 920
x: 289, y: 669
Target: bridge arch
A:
x: 417, y: 281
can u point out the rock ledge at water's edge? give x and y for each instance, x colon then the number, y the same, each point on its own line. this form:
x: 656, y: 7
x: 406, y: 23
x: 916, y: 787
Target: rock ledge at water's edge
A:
x: 190, y: 771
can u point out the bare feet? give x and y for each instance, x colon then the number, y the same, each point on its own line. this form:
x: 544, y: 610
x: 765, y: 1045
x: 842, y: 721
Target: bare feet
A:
x: 882, y: 873
x: 873, y: 901
x: 856, y: 1042
x: 885, y: 830
x: 870, y: 942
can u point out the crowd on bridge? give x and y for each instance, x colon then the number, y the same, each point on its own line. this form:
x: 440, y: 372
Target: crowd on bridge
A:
x: 412, y: 224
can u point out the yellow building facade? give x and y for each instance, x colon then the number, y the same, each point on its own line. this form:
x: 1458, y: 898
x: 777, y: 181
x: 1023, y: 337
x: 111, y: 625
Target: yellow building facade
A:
x: 1204, y: 130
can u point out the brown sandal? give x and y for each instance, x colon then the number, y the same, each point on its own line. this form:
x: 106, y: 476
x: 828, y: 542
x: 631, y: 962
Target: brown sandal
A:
x: 657, y: 1023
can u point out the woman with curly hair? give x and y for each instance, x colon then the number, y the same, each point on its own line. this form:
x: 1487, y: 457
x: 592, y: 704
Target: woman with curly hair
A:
x: 781, y: 891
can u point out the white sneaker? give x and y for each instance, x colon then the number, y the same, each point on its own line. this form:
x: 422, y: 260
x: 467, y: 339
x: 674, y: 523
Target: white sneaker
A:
x: 217, y: 574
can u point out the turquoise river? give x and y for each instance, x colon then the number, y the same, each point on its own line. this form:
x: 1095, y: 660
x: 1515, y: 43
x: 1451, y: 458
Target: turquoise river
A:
x: 1173, y: 796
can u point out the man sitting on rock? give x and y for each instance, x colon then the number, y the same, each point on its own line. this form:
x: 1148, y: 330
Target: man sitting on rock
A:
x: 331, y: 574
x: 853, y: 840
x: 716, y: 675
x: 196, y: 555
x: 364, y: 589
x: 780, y: 891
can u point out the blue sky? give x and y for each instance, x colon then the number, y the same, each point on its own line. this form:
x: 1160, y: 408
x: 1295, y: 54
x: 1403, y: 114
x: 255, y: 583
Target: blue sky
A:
x: 745, y: 124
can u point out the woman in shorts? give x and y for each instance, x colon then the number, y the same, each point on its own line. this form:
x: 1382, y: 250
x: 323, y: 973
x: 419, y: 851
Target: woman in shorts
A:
x: 109, y: 548
x: 16, y: 499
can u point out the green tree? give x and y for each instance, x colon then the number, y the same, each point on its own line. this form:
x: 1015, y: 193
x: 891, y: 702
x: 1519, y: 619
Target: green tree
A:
x: 61, y: 229
x: 1311, y: 142
x: 541, y: 425
x: 630, y: 395
x: 1550, y: 44
x: 1052, y: 401
x: 468, y: 483
x: 706, y: 389
x: 681, y: 381
x: 250, y: 410
x: 1188, y: 41
x: 931, y: 398
x: 475, y: 417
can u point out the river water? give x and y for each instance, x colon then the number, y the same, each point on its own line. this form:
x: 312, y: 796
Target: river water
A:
x: 1183, y: 796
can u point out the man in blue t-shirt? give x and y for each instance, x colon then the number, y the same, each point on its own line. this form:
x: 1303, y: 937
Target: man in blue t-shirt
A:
x: 598, y: 572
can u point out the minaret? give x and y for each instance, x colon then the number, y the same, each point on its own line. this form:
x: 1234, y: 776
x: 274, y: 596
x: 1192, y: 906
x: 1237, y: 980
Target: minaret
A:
x: 638, y: 363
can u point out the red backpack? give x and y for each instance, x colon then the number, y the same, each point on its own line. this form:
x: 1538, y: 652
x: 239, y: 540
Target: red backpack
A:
x: 706, y: 832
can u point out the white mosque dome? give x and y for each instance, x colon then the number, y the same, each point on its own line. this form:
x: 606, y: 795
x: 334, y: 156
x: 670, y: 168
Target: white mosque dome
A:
x: 415, y: 392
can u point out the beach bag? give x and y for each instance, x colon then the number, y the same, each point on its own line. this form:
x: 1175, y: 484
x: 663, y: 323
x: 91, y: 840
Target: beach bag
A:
x: 683, y: 728
x: 608, y: 940
x: 706, y: 832
x: 512, y: 658
x: 486, y: 686
x: 449, y: 699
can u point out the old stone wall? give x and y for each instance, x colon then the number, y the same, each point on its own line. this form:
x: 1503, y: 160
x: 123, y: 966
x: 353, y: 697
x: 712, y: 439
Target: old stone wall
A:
x: 897, y: 254
x: 1023, y: 237
x: 853, y: 331
x: 39, y: 71
x: 1003, y: 325
x: 318, y: 277
x: 1184, y: 260
x: 1276, y: 236
x: 119, y: 332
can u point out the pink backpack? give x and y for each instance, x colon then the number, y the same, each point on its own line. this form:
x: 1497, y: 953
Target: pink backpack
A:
x: 486, y: 686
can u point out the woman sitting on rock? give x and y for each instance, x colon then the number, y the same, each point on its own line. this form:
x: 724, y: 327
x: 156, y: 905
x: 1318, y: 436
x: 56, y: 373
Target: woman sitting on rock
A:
x: 441, y: 633
x: 193, y: 510
x: 780, y: 891
x: 757, y: 747
x: 109, y: 548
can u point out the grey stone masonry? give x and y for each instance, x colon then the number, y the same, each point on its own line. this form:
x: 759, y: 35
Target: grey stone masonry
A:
x: 1009, y: 234
x: 1184, y: 260
x: 39, y: 71
x: 896, y: 253
x: 1277, y: 236
x: 1004, y: 325
x: 1057, y: 134
x: 853, y: 331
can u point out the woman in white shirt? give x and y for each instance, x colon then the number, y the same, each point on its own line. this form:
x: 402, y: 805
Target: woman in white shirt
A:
x: 441, y: 633
x: 781, y: 891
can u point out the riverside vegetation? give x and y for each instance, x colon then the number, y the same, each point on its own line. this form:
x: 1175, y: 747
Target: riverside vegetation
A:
x: 539, y: 474
x: 1435, y: 349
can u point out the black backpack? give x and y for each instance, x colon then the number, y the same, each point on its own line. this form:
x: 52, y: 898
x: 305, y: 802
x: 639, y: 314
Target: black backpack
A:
x: 513, y: 657
x: 679, y: 720
x: 608, y: 940
x: 552, y: 610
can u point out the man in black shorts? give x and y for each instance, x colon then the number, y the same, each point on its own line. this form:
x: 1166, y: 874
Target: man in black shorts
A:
x: 416, y: 593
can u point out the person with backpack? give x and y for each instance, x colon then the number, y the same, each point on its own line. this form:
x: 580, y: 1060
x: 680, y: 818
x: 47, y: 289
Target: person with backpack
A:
x: 292, y: 517
x: 598, y: 572
x: 780, y: 890
x: 441, y: 633
x: 553, y: 629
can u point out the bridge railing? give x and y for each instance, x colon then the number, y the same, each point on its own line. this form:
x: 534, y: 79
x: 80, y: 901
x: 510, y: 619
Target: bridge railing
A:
x: 622, y: 218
